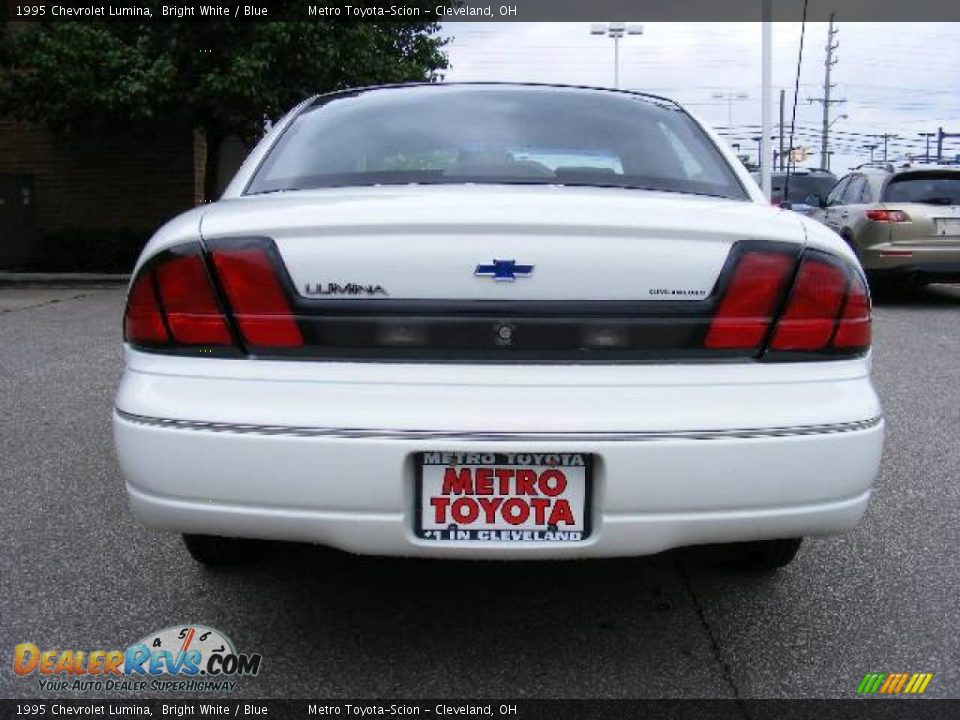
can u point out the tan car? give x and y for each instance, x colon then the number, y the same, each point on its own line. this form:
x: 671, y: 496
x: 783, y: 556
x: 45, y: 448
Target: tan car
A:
x: 904, y: 224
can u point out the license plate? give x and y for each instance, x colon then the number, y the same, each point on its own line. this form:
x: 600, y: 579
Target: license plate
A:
x: 948, y: 226
x: 503, y: 497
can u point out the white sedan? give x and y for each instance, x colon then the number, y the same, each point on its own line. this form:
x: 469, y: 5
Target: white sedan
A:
x: 496, y: 321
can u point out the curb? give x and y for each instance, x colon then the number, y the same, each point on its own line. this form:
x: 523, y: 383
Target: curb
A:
x: 36, y: 279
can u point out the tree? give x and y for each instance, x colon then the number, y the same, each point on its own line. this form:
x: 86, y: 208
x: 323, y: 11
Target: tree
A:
x: 224, y: 77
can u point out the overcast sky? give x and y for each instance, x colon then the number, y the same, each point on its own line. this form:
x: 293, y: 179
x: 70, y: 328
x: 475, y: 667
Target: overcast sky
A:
x: 901, y: 78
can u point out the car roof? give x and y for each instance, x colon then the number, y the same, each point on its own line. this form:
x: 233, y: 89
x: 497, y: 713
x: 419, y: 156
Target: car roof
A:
x: 799, y: 171
x: 889, y: 171
x: 926, y: 168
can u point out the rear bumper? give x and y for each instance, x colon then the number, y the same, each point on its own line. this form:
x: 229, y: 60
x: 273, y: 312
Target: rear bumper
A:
x: 927, y: 272
x: 615, y: 534
x: 682, y: 455
x: 934, y: 261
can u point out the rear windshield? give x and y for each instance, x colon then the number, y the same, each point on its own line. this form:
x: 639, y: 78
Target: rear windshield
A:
x: 801, y: 187
x: 495, y: 134
x: 941, y: 188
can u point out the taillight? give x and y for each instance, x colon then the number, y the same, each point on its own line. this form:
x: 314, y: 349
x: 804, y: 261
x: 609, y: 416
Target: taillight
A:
x: 821, y: 306
x: 256, y: 297
x: 888, y: 216
x: 853, y: 330
x: 172, y: 303
x: 188, y: 300
x: 143, y: 321
x: 828, y: 310
x: 808, y: 320
x: 748, y: 305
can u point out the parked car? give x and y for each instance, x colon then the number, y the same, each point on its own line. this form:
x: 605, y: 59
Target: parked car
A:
x: 550, y: 322
x: 903, y: 223
x: 804, y: 184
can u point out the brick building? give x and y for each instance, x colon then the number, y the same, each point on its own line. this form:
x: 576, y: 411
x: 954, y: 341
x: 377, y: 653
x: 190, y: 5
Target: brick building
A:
x: 119, y: 185
x: 56, y: 191
x: 108, y: 183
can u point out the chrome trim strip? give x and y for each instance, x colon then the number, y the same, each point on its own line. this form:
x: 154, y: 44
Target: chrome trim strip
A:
x: 356, y: 433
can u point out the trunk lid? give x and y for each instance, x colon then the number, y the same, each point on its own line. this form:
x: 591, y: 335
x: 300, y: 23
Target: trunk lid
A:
x: 565, y: 243
x: 929, y: 224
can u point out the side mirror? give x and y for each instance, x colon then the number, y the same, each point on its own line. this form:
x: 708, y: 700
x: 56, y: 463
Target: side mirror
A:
x: 815, y: 200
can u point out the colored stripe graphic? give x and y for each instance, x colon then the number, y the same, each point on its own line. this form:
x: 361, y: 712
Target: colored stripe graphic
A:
x: 918, y: 683
x: 894, y: 683
x: 870, y: 683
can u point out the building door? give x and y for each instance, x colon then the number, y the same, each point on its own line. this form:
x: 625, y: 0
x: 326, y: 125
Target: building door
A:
x: 18, y: 244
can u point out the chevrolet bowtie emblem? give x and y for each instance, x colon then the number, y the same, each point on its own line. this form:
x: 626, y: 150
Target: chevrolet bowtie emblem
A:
x: 504, y: 270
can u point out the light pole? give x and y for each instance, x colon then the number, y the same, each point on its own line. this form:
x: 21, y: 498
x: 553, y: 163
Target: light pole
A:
x: 616, y: 30
x: 758, y: 139
x: 871, y: 148
x: 729, y: 96
x: 766, y: 90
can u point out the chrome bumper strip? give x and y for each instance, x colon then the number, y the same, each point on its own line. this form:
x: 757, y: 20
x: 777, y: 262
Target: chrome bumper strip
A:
x: 357, y: 433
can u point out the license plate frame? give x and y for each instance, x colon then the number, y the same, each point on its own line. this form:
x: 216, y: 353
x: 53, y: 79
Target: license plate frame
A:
x: 493, y: 535
x: 947, y: 227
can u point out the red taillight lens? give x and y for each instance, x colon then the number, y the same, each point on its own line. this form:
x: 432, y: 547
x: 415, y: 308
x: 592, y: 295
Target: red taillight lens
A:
x: 853, y: 332
x: 826, y: 309
x: 748, y: 305
x: 172, y: 303
x: 808, y: 321
x: 143, y: 321
x: 192, y: 311
x: 888, y: 216
x: 256, y: 297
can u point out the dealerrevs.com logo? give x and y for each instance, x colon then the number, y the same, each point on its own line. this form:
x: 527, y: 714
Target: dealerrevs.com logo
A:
x: 184, y: 658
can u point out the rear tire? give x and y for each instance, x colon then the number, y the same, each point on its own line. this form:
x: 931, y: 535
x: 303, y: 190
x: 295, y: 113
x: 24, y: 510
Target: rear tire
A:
x: 766, y: 555
x: 848, y: 239
x: 216, y: 551
x: 881, y: 286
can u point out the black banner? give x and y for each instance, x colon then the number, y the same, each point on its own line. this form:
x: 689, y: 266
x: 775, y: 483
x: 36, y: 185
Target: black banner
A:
x: 862, y: 709
x: 481, y: 10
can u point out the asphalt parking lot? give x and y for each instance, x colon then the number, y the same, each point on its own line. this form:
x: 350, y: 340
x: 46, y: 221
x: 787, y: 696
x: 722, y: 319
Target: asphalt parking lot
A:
x: 77, y: 572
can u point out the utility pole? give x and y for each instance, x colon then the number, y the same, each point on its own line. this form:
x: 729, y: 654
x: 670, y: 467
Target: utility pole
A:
x: 927, y: 136
x: 940, y: 136
x: 828, y: 64
x: 886, y: 137
x: 871, y: 148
